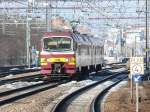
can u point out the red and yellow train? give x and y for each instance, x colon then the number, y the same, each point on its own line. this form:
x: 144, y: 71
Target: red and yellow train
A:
x: 67, y: 53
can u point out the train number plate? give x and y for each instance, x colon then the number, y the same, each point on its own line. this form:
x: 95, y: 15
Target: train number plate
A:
x: 57, y: 60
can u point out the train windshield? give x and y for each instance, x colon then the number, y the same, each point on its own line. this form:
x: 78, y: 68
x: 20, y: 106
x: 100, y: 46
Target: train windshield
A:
x: 57, y: 43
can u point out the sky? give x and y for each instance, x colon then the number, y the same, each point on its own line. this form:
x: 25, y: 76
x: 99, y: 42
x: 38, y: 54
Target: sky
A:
x: 98, y: 15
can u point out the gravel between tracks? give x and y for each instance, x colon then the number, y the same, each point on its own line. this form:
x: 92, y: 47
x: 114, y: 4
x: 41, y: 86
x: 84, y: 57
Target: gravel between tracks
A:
x: 19, y: 75
x: 13, y: 85
x: 34, y: 103
x: 42, y: 100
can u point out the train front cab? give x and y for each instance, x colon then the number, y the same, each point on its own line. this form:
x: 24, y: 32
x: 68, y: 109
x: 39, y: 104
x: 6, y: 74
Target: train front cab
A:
x: 57, y: 56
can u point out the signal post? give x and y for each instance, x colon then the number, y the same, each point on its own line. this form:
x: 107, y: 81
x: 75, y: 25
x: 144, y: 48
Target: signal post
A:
x: 136, y: 72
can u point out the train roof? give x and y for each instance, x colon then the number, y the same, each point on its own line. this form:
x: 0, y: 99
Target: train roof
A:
x: 79, y: 38
x: 87, y: 39
x: 53, y: 34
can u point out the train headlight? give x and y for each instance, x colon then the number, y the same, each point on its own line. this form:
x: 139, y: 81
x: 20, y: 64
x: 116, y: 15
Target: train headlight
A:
x: 71, y: 61
x: 43, y: 60
x: 66, y: 60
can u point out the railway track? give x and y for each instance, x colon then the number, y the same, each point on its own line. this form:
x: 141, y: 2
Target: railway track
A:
x: 7, y: 68
x: 115, y: 66
x: 16, y: 72
x: 76, y: 101
x: 96, y: 105
x: 29, y: 78
x: 16, y: 94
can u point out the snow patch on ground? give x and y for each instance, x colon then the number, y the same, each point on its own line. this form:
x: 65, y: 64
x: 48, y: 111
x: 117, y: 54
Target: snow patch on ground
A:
x: 32, y: 68
x: 118, y: 86
x: 68, y: 84
x: 9, y: 76
x: 84, y: 83
x: 107, y: 83
x: 16, y: 85
x: 15, y: 69
x: 77, y: 84
x: 35, y: 68
x: 107, y: 66
x: 118, y: 70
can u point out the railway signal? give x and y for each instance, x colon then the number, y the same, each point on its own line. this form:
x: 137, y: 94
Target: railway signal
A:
x: 137, y: 79
x: 136, y: 72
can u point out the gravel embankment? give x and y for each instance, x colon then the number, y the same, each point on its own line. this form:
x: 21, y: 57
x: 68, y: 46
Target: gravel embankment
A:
x: 119, y: 100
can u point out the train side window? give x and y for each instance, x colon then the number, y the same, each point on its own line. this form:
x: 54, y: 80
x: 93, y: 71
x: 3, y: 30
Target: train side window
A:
x: 99, y: 50
x: 88, y: 50
x: 102, y: 50
x: 83, y: 50
x: 79, y: 50
x: 75, y: 46
x: 95, y: 50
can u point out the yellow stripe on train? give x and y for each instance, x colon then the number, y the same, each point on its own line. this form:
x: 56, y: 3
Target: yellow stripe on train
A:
x: 44, y: 63
x: 57, y: 60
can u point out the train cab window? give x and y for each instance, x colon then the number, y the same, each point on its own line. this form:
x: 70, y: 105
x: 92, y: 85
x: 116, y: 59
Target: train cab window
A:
x: 57, y: 43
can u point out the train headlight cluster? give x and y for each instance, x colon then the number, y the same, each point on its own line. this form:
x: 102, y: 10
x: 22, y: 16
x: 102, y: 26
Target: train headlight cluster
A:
x: 43, y: 61
x: 66, y: 60
x: 71, y: 61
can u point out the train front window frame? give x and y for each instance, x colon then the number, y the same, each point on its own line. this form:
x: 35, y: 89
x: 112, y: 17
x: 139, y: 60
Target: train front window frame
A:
x: 57, y: 44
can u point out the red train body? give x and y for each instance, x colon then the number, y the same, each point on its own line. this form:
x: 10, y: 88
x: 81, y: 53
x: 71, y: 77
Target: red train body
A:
x: 66, y: 53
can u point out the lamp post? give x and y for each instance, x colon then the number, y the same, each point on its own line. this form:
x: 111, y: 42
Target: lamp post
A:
x: 46, y: 16
x: 147, y: 34
x: 28, y: 44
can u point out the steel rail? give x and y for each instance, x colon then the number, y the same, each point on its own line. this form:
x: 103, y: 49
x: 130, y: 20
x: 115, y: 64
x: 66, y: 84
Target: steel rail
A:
x: 59, y: 105
x: 35, y: 77
x: 95, y: 105
x: 22, y: 94
x: 6, y: 68
x: 16, y: 72
x: 8, y: 92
